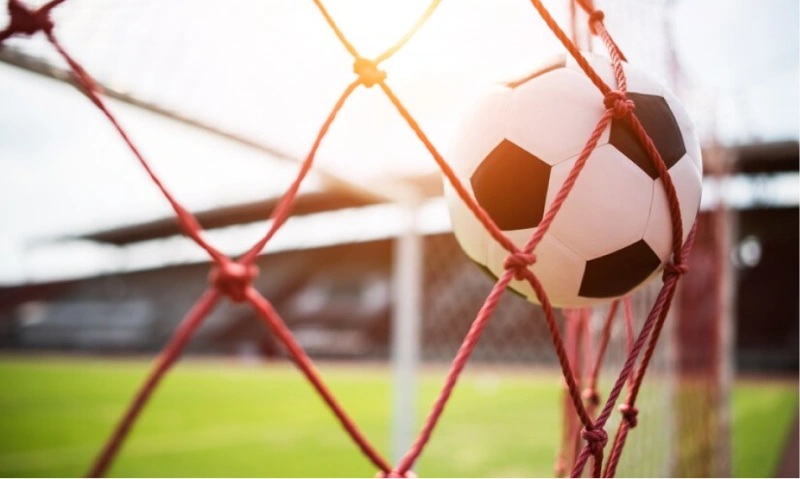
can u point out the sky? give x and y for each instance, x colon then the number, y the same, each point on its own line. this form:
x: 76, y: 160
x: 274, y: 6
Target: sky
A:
x: 272, y: 70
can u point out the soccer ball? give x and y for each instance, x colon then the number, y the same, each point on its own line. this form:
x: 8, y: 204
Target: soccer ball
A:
x: 515, y: 148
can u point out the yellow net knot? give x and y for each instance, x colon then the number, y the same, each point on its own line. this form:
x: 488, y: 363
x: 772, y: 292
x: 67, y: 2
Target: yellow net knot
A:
x: 368, y: 72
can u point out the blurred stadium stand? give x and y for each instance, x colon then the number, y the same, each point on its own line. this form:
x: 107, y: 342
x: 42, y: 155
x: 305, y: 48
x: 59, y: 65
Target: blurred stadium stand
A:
x: 337, y: 299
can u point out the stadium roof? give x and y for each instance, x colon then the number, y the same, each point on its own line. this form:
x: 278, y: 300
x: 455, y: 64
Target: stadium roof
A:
x: 767, y: 157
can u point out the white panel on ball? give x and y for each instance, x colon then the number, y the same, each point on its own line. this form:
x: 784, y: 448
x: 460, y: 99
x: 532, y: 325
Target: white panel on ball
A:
x: 608, y: 206
x: 559, y: 269
x: 600, y: 64
x: 469, y: 232
x: 639, y: 82
x: 485, y: 123
x: 688, y: 186
x: 552, y: 115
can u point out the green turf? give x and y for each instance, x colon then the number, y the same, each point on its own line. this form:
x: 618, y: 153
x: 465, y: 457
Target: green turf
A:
x: 213, y: 419
x: 761, y: 420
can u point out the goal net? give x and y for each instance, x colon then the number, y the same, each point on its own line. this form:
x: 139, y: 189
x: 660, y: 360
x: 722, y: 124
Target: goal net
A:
x: 158, y: 56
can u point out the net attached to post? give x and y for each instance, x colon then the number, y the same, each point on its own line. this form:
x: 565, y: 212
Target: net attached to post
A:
x: 232, y: 277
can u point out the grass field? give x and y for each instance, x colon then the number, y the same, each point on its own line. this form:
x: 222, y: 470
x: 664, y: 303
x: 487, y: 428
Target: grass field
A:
x: 218, y: 419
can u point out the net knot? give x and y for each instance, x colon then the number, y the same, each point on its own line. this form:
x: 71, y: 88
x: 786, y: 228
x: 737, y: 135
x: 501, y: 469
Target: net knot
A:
x: 519, y: 263
x: 595, y: 18
x: 368, y: 72
x: 394, y: 473
x: 617, y: 102
x: 629, y: 413
x: 591, y: 396
x: 596, y: 439
x: 232, y: 278
x: 675, y: 269
x: 26, y: 21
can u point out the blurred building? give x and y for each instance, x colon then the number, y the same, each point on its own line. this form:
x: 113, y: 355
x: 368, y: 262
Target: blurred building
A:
x: 766, y: 257
x: 336, y: 300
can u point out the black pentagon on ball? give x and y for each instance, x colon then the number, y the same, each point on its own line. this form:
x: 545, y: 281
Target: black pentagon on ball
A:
x: 511, y: 185
x: 661, y: 126
x: 619, y: 272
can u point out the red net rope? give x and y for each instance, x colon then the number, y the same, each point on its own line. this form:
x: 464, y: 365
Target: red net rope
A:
x: 232, y: 277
